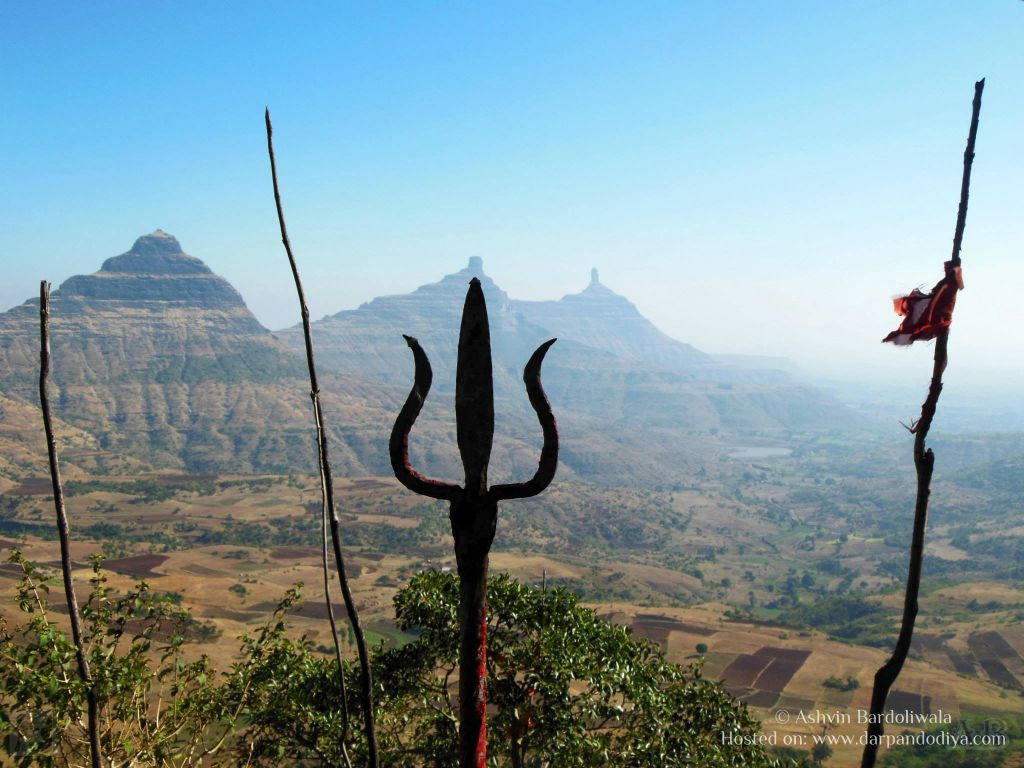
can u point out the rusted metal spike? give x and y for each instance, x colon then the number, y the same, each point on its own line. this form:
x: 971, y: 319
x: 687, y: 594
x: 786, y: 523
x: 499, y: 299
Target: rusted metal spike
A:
x: 474, y: 391
x: 399, y: 445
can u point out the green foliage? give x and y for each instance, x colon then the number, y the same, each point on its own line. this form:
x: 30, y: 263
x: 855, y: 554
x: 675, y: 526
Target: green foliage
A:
x: 843, y: 617
x: 158, y: 706
x: 1002, y: 476
x: 565, y: 687
x: 149, y: 715
x: 290, y: 699
x: 794, y: 758
x: 143, y: 491
x: 821, y: 752
x: 842, y: 684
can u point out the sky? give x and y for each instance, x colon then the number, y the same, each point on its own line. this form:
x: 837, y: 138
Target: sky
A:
x: 757, y: 178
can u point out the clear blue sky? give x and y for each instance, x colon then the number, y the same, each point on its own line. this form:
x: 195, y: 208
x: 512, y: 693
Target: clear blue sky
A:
x: 756, y: 177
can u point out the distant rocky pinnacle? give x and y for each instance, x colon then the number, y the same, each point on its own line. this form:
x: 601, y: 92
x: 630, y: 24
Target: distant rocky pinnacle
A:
x: 603, y: 319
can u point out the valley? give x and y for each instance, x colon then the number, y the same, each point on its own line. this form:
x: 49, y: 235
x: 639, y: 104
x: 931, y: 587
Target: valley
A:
x: 722, y: 508
x: 784, y: 584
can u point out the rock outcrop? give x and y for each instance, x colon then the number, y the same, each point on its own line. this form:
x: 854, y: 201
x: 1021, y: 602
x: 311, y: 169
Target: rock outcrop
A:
x: 158, y: 357
x: 600, y: 318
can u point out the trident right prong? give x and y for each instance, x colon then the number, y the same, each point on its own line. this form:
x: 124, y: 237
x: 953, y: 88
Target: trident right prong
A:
x: 549, y: 452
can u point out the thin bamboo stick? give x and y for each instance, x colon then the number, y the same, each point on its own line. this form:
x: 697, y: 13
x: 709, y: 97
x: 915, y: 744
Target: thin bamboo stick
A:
x: 63, y: 529
x: 329, y: 511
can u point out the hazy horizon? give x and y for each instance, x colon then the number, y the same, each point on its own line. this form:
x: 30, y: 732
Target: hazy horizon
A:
x: 757, y: 181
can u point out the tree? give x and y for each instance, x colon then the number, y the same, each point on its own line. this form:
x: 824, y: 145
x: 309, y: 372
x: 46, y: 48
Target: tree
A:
x: 277, y: 705
x: 567, y: 688
x: 821, y: 752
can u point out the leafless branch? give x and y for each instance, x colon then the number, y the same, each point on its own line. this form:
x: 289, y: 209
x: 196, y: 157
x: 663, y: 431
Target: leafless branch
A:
x: 329, y: 512
x: 63, y: 529
x: 924, y: 463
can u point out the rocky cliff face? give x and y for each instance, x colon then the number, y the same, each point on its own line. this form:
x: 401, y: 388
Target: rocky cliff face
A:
x: 612, y: 368
x: 151, y: 313
x: 156, y: 356
x: 158, y: 359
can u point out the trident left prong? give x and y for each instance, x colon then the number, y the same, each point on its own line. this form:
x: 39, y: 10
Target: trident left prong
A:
x: 399, y: 445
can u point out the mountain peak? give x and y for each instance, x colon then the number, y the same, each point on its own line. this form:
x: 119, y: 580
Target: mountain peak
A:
x: 158, y: 242
x: 156, y: 254
x: 596, y: 288
x: 157, y: 270
x: 475, y: 267
x: 472, y: 272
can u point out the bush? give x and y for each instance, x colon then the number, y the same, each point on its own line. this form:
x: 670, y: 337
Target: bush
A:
x: 842, y: 684
x: 134, y: 646
x: 566, y: 688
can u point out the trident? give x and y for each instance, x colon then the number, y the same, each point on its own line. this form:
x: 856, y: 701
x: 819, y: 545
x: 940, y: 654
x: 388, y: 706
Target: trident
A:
x: 474, y: 507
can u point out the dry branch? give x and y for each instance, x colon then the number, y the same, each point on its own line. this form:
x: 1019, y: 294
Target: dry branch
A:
x: 329, y: 514
x: 63, y: 529
x: 924, y: 463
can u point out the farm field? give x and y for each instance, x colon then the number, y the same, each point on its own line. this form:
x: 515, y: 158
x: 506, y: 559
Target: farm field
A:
x: 770, y: 668
x: 776, y: 670
x: 228, y: 547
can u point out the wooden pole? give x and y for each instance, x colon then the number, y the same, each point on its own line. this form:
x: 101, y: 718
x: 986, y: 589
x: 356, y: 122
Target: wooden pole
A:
x: 924, y: 463
x: 328, y: 510
x: 63, y: 529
